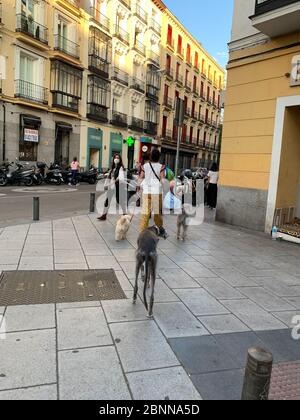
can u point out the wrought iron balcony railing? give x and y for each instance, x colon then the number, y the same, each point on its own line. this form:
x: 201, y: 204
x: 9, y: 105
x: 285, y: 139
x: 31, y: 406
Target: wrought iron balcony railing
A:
x: 121, y: 34
x: 179, y: 79
x: 120, y: 76
x: 66, y: 46
x: 137, y: 84
x: 168, y: 102
x: 167, y: 135
x: 151, y: 128
x: 119, y: 119
x: 188, y: 85
x: 195, y: 115
x: 153, y: 57
x: 60, y: 100
x: 101, y: 19
x: 202, y: 118
x: 138, y: 11
x: 139, y: 47
x: 97, y: 112
x: 187, y: 112
x: 209, y: 100
x: 169, y: 73
x: 31, y: 92
x: 28, y: 26
x: 152, y: 92
x: 136, y: 124
x: 98, y: 65
x: 155, y: 26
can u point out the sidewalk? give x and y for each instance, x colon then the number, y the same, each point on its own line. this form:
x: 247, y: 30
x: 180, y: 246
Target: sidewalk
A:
x: 218, y: 294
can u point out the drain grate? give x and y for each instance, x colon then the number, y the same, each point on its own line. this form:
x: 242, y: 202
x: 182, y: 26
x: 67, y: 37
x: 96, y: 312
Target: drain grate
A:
x: 40, y: 287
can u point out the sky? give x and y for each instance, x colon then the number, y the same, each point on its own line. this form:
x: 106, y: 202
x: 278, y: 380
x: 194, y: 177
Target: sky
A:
x: 209, y: 21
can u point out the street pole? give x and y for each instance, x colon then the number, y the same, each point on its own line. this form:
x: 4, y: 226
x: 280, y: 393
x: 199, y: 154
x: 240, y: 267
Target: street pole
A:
x: 179, y: 116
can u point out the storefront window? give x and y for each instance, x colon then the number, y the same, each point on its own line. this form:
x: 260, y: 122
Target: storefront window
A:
x: 29, y: 138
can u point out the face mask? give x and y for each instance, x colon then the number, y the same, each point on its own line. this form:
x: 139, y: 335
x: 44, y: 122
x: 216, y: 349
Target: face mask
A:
x: 116, y: 161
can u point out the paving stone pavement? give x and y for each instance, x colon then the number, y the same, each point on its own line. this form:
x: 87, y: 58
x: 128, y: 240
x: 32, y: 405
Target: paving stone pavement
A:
x: 219, y: 293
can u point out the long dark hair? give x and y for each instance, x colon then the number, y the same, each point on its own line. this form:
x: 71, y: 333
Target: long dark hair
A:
x: 214, y: 167
x: 115, y: 170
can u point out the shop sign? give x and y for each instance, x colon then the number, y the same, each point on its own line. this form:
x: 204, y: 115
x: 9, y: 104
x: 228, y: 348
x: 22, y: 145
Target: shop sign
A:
x: 31, y: 135
x: 295, y: 74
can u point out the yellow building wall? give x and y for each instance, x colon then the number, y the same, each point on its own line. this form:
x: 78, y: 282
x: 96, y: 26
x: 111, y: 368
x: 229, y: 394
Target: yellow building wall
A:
x: 256, y: 78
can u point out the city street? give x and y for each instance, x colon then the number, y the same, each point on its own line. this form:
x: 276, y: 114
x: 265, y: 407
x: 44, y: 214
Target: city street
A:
x: 220, y: 293
x: 55, y: 202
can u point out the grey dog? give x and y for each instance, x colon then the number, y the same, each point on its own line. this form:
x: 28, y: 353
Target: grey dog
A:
x: 146, y: 262
x: 183, y: 222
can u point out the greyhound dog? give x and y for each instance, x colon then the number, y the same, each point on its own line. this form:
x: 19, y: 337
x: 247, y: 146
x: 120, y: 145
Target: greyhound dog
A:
x: 147, y: 254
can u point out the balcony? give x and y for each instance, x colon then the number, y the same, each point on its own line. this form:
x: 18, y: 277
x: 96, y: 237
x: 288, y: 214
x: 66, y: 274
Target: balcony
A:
x: 121, y: 34
x: 202, y: 96
x: 195, y: 91
x: 196, y: 68
x: 202, y: 118
x: 118, y: 119
x: 203, y: 74
x: 180, y: 52
x: 137, y: 84
x: 101, y: 19
x: 179, y: 80
x: 189, y: 61
x: 140, y: 48
x: 151, y: 128
x: 152, y: 92
x: 136, y: 124
x: 155, y: 26
x: 195, y: 116
x: 153, y: 57
x: 67, y: 102
x: 98, y: 65
x: 187, y: 112
x: 169, y: 73
x: 120, y: 76
x: 97, y: 112
x: 168, y: 103
x: 31, y: 92
x: 138, y: 11
x: 276, y: 17
x: 167, y: 135
x: 126, y: 3
x: 66, y: 46
x: 28, y: 26
x: 188, y: 86
x: 209, y: 100
x: 171, y: 43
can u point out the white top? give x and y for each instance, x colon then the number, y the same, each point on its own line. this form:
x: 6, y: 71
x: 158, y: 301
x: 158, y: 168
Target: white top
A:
x: 213, y: 177
x: 151, y: 185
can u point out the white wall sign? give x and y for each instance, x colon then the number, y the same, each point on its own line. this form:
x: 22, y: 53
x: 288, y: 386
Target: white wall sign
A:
x: 31, y: 135
x: 295, y: 74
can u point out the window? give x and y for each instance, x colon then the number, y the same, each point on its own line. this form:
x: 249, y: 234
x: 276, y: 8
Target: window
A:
x: 220, y: 82
x: 206, y: 116
x: 202, y: 90
x: 191, y: 134
x: 198, y: 136
x: 66, y: 82
x: 170, y: 35
x: 168, y: 62
x: 98, y: 91
x: 196, y: 60
x: 188, y: 53
x: 100, y: 45
x: 179, y: 46
x: 184, y: 132
x: 164, y: 126
x: 29, y: 138
x: 203, y: 66
x: 193, y: 108
x: 151, y: 112
x: 208, y: 93
x: 195, y: 84
x: 177, y: 71
x: 187, y: 74
x: 26, y: 68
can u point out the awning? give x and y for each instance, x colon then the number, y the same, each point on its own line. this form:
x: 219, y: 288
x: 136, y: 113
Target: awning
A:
x: 31, y: 120
x: 64, y: 126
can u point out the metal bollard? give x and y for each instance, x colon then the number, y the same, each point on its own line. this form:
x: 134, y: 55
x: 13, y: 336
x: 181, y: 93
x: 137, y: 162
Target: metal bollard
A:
x: 92, y: 202
x: 257, y: 375
x: 36, y: 209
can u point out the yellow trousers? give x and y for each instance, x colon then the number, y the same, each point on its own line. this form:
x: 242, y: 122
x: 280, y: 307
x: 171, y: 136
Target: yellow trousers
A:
x: 151, y: 202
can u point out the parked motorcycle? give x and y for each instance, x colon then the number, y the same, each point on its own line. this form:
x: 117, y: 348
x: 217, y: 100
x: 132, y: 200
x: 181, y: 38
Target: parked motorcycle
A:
x: 16, y: 174
x: 90, y: 176
x: 51, y: 175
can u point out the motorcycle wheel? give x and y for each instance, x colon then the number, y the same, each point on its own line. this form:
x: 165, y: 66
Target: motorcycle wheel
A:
x: 58, y: 182
x: 28, y: 182
x: 3, y: 181
x: 92, y: 181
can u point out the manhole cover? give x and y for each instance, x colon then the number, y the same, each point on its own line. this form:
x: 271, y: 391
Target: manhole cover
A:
x: 285, y: 382
x: 39, y: 287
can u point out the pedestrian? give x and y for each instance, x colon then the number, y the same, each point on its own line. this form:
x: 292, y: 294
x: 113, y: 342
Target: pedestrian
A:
x: 151, y: 180
x: 74, y: 170
x: 114, y: 186
x: 212, y: 190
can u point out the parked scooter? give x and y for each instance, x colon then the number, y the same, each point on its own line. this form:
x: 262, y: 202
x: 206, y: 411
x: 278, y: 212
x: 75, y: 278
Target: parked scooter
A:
x: 51, y: 175
x: 16, y: 174
x: 90, y: 176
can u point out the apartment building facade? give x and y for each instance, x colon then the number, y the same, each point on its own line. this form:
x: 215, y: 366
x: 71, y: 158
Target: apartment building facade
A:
x: 89, y: 78
x: 260, y: 171
x: 192, y: 75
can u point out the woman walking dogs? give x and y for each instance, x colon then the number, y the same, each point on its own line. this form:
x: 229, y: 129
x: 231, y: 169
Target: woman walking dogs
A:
x: 113, y: 186
x: 151, y: 179
x: 212, y: 191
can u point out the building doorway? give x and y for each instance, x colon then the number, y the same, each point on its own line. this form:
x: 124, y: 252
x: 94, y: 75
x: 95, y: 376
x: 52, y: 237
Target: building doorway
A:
x: 94, y: 157
x: 62, y: 144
